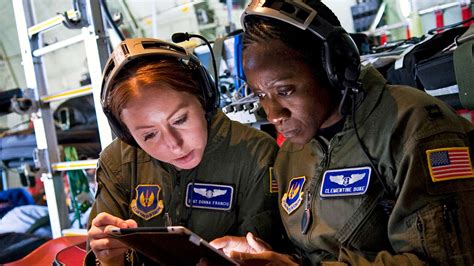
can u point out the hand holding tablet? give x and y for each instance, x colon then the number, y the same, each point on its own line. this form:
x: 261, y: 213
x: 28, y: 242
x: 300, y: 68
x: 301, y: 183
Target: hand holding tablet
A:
x: 172, y: 245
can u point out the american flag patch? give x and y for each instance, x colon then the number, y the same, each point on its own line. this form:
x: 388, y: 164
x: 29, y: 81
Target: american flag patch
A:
x: 273, y: 182
x: 449, y: 163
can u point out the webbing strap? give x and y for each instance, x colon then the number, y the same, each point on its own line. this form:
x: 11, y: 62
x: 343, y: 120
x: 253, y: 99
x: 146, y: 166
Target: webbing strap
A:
x: 464, y: 67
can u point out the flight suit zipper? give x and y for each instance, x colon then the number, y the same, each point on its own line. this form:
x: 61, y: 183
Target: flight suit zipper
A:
x: 446, y: 218
x: 452, y: 225
x: 177, y: 192
x: 183, y: 213
x: 420, y: 229
x: 307, y: 220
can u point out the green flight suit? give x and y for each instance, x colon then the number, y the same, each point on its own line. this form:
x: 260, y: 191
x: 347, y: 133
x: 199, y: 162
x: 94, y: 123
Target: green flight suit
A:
x: 418, y: 219
x: 236, y: 156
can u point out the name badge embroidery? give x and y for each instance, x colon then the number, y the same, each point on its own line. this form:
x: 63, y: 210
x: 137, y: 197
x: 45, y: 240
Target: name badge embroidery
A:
x: 292, y: 199
x: 209, y: 196
x: 345, y: 182
x: 146, y: 203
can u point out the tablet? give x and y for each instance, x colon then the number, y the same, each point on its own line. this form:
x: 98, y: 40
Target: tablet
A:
x: 171, y: 245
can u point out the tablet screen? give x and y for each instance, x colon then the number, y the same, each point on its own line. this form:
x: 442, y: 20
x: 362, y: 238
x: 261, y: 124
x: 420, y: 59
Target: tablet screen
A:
x: 172, y: 245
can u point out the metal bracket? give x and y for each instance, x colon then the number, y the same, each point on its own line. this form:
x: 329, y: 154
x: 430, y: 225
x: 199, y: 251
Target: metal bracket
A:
x: 40, y: 157
x: 26, y: 104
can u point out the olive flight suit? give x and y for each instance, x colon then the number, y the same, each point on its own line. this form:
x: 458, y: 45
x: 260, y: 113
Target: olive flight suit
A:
x: 423, y: 152
x: 232, y: 185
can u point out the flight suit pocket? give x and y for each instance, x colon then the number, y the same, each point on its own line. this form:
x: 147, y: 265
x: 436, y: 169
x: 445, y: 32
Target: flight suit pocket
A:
x: 362, y: 231
x: 371, y: 237
x: 442, y: 232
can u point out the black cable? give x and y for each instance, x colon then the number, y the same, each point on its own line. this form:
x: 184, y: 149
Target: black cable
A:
x: 364, y: 149
x: 110, y: 20
x: 180, y: 37
x: 233, y: 33
x: 342, y: 104
x: 450, y: 25
x: 75, y: 4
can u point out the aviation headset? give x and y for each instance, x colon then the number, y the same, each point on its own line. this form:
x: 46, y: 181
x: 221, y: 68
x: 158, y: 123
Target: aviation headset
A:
x: 132, y: 49
x: 340, y: 55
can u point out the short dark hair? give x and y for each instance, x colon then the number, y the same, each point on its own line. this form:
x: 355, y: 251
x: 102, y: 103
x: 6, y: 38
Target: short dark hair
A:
x: 261, y: 29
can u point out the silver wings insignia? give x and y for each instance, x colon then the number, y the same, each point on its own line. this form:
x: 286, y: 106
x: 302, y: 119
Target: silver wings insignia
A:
x: 210, y: 193
x: 346, y: 180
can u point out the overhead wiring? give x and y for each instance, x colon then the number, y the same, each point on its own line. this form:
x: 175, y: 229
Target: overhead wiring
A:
x: 110, y: 20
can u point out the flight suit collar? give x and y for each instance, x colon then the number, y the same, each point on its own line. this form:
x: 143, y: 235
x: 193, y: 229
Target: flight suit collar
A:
x: 219, y: 129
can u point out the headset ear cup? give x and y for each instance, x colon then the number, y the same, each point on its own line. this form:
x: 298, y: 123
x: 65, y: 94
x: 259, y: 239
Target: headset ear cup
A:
x: 344, y: 60
x: 118, y: 131
x: 209, y: 91
x: 326, y: 59
x: 351, y: 53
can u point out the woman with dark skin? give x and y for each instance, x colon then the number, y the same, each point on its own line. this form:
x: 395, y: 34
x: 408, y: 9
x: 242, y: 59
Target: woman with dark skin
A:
x: 383, y: 176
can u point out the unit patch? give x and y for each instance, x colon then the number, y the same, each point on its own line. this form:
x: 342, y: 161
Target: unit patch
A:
x: 209, y: 196
x: 449, y: 163
x: 273, y: 181
x: 147, y: 203
x: 345, y: 182
x: 292, y: 199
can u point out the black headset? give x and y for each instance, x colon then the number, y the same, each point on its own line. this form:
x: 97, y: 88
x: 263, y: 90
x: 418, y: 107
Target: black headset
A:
x: 340, y: 55
x: 132, y: 49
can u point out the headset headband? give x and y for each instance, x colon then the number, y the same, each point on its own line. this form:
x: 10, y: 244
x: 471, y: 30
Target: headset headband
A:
x: 294, y: 12
x: 340, y: 55
x: 131, y: 49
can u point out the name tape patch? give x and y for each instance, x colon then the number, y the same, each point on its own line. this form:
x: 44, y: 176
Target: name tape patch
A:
x: 209, y: 196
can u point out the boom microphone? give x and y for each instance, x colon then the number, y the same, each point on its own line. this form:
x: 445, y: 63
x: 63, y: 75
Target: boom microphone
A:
x: 180, y: 37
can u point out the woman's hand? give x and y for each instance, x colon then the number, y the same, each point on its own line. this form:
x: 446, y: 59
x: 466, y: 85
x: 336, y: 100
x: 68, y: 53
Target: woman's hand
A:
x: 251, y: 250
x: 248, y: 244
x: 105, y: 248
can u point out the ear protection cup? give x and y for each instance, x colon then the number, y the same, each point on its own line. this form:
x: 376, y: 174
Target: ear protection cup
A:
x: 132, y: 49
x: 341, y: 60
x: 209, y: 90
x: 339, y: 55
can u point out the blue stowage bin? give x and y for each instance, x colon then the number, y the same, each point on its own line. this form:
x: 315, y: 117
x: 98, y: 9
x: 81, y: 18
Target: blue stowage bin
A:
x: 17, y: 149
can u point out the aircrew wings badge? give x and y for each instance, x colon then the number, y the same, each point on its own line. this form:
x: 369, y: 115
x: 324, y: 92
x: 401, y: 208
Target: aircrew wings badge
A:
x: 147, y: 203
x: 292, y: 199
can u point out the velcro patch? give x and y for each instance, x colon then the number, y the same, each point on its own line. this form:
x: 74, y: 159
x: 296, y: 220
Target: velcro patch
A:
x: 273, y: 181
x: 345, y: 182
x: 449, y: 163
x: 147, y: 203
x: 209, y: 196
x: 292, y: 199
